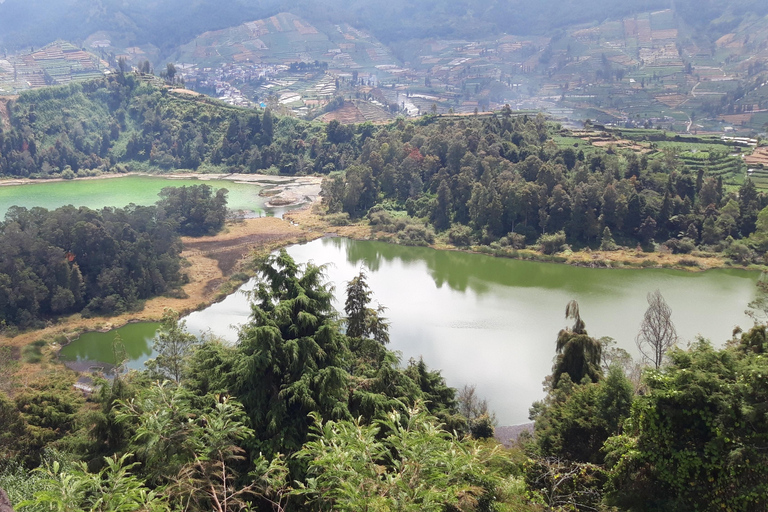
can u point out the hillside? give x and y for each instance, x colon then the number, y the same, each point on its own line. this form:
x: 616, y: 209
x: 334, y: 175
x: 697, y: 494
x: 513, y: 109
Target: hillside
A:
x: 57, y: 63
x: 505, y: 179
x: 687, y: 67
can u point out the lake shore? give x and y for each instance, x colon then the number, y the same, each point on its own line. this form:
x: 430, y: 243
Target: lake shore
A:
x: 212, y: 261
x: 622, y: 257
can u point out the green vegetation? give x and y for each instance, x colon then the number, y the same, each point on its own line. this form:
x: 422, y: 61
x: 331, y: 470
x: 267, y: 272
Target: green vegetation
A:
x: 97, y: 262
x: 300, y: 415
x: 260, y: 423
x: 195, y: 210
x: 498, y: 179
x: 69, y: 260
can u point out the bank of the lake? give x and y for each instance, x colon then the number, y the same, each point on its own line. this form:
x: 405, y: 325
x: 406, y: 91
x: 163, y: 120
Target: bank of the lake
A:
x: 493, y: 322
x: 622, y: 257
x: 211, y: 260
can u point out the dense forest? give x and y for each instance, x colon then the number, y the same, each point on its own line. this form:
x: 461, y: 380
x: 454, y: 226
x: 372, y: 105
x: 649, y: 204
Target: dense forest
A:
x: 98, y: 262
x: 502, y: 181
x: 310, y: 411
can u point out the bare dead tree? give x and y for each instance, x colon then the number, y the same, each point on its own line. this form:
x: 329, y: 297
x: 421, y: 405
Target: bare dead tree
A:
x: 657, y: 332
x: 565, y: 485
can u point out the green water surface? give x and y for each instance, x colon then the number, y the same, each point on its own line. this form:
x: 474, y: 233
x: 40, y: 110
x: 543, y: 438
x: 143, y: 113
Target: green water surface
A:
x: 119, y: 192
x: 490, y: 321
x: 137, y: 339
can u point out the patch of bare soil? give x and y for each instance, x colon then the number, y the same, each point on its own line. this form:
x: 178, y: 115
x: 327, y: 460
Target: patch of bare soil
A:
x: 5, y: 115
x: 758, y: 157
x: 186, y: 91
x: 232, y: 248
x: 347, y: 114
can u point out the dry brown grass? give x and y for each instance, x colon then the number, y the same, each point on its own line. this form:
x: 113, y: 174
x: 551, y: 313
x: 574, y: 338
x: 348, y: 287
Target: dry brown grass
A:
x: 633, y: 257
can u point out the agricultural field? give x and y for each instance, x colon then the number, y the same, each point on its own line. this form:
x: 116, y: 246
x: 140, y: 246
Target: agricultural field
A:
x: 55, y: 64
x: 647, y: 70
x: 730, y: 159
x: 285, y: 39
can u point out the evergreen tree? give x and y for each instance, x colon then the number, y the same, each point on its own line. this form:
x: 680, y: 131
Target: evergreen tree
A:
x: 291, y: 355
x: 578, y: 354
x: 362, y: 320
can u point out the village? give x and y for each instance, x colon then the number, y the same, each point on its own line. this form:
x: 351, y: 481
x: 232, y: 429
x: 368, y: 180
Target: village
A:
x: 644, y: 71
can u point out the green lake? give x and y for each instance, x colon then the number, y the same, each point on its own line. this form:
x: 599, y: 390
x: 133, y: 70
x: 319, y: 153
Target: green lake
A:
x: 97, y: 347
x: 121, y: 191
x: 489, y: 321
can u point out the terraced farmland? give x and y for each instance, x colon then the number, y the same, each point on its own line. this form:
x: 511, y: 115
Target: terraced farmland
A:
x: 55, y: 64
x: 716, y: 163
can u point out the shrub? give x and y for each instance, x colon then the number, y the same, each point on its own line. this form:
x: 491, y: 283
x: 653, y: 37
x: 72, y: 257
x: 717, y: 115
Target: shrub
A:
x: 515, y: 240
x: 683, y: 246
x: 338, y: 219
x: 740, y: 252
x: 380, y: 219
x: 460, y: 235
x: 550, y: 244
x: 414, y: 234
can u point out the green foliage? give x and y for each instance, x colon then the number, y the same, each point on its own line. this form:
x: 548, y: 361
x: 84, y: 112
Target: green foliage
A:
x: 606, y: 242
x: 19, y: 483
x: 209, y: 367
x: 403, y: 462
x: 565, y: 485
x: 173, y: 345
x: 290, y: 355
x: 488, y: 177
x: 108, y: 434
x: 48, y: 412
x: 460, y: 236
x: 574, y: 421
x: 696, y: 440
x: 68, y: 260
x: 195, y: 209
x: 480, y: 420
x: 113, y: 489
x: 14, y: 430
x: 363, y: 321
x: 578, y: 354
x: 550, y: 244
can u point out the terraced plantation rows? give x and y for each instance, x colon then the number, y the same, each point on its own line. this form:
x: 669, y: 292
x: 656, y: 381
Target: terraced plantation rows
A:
x: 721, y: 164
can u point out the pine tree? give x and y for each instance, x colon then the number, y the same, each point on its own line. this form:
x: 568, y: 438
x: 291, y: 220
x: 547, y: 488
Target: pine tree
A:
x: 362, y: 320
x: 291, y: 355
x: 578, y: 354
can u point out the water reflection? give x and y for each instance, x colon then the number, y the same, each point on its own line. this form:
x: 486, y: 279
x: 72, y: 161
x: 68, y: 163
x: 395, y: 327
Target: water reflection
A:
x: 493, y: 322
